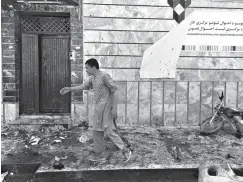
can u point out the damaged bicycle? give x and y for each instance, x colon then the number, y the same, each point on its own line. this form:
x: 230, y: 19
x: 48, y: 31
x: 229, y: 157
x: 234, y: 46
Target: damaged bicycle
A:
x: 223, y: 115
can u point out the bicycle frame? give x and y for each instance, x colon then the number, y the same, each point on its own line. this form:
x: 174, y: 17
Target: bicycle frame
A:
x: 226, y: 115
x: 216, y: 112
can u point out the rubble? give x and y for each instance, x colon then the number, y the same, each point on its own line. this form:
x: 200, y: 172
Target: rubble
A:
x: 83, y: 139
x: 63, y: 158
x: 27, y: 147
x: 34, y: 141
x: 57, y: 141
x: 151, y: 146
x: 57, y: 158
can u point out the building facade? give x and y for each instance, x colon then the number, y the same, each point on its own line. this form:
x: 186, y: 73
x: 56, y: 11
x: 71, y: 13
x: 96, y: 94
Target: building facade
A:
x: 40, y: 58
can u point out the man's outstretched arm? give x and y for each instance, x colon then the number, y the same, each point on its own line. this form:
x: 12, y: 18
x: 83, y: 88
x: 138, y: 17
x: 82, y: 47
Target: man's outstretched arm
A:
x: 87, y: 85
x: 75, y: 88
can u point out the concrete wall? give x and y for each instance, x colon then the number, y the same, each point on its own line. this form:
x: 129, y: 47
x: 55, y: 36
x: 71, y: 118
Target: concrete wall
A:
x: 117, y: 32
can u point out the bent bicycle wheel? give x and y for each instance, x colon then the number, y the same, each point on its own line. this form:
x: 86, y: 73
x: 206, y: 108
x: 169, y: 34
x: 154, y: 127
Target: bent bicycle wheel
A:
x: 208, y: 128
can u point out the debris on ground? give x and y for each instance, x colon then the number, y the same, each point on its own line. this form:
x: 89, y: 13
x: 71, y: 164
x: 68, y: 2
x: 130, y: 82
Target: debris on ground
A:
x: 84, y: 124
x: 63, y: 158
x: 27, y: 147
x: 176, y: 153
x: 151, y: 146
x: 58, y: 165
x: 57, y: 158
x: 4, y: 134
x: 83, y: 139
x: 57, y: 141
x: 34, y: 141
x: 228, y: 156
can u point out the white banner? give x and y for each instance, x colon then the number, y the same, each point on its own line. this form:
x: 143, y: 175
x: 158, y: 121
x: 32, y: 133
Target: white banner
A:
x: 215, y: 31
x: 201, y: 31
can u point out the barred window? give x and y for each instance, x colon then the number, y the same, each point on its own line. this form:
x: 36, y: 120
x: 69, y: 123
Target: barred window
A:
x: 41, y: 24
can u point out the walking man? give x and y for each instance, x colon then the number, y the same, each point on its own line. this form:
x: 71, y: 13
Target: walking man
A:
x: 106, y: 100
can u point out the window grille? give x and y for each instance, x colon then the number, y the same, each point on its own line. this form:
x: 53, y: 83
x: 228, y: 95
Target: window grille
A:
x: 40, y: 24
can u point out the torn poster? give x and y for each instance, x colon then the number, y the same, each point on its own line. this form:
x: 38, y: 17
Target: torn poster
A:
x: 213, y: 31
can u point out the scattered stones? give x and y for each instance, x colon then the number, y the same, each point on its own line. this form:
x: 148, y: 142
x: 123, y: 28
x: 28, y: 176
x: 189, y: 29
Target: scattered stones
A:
x: 57, y: 158
x: 27, y: 147
x: 34, y: 141
x: 57, y: 141
x: 190, y: 137
x: 16, y: 133
x: 64, y: 158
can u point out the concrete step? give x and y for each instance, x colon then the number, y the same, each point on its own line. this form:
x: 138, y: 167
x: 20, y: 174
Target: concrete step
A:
x: 47, y: 120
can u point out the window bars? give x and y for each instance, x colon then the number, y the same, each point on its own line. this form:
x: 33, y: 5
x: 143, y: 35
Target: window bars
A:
x: 41, y: 24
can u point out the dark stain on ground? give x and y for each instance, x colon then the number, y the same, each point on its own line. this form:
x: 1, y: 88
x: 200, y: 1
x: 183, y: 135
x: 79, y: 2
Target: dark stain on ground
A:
x: 24, y: 156
x: 33, y: 154
x: 175, y: 148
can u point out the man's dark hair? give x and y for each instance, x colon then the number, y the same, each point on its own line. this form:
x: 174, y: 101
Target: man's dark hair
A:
x: 92, y: 62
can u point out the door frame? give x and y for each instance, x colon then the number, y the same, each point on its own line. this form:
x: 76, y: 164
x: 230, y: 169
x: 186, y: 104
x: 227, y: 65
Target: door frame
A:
x: 18, y: 52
